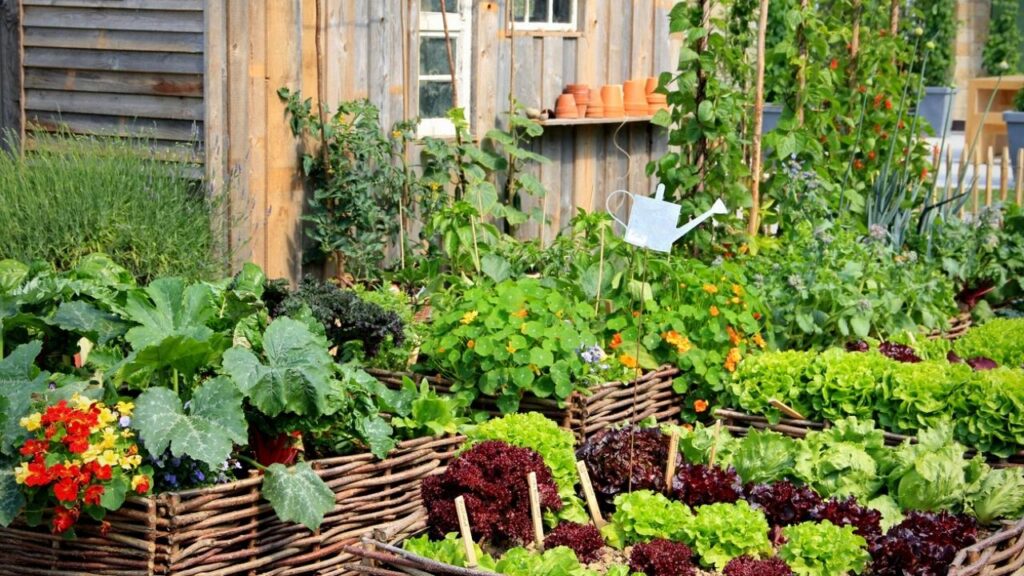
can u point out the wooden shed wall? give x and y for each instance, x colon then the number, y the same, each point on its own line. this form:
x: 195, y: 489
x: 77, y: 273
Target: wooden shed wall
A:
x: 10, y: 68
x: 273, y: 44
x: 115, y: 67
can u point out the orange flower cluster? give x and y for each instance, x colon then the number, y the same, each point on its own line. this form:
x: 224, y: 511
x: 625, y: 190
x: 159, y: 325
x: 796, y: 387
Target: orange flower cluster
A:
x: 616, y: 341
x: 78, y: 450
x: 734, y: 338
x: 682, y: 343
x: 732, y: 359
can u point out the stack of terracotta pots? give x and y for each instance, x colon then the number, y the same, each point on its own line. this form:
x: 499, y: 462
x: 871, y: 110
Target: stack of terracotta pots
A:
x: 595, y: 108
x: 655, y: 101
x: 635, y: 94
x: 581, y: 93
x: 566, y: 107
x: 611, y: 95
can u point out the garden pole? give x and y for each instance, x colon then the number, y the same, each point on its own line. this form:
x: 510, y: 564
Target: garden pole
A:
x: 755, y: 184
x: 801, y: 72
x: 855, y: 42
x: 894, y: 17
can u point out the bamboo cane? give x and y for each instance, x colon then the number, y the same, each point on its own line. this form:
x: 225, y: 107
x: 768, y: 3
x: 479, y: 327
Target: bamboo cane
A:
x: 1004, y: 174
x: 989, y: 170
x: 755, y: 184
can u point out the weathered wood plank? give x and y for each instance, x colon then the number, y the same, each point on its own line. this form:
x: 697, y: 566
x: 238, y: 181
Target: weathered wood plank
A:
x: 215, y: 100
x: 360, y: 78
x: 102, y: 103
x: 585, y: 159
x: 394, y: 84
x: 10, y: 71
x: 177, y: 5
x: 114, y: 19
x: 550, y: 83
x: 115, y: 82
x: 176, y: 130
x: 285, y: 191
x: 333, y: 55
x: 128, y: 40
x: 170, y: 62
x: 380, y: 62
x: 240, y: 200
x: 486, y: 48
x: 641, y: 45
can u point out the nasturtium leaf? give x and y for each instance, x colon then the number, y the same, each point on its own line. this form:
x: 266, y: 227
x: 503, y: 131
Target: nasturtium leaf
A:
x: 508, y: 403
x: 297, y: 494
x: 21, y: 380
x: 11, y: 498
x: 114, y: 493
x: 296, y: 376
x: 214, y: 422
x: 84, y: 318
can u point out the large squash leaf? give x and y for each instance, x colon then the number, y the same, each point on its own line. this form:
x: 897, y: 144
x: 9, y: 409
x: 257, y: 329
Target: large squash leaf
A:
x: 296, y: 374
x: 206, y: 431
x: 20, y: 381
x: 84, y: 318
x: 297, y: 494
x: 11, y: 498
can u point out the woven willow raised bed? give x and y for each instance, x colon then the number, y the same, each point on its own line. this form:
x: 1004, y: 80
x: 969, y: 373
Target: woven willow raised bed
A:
x: 230, y: 529
x: 605, y: 405
x: 740, y: 423
x: 958, y: 326
x: 1001, y: 554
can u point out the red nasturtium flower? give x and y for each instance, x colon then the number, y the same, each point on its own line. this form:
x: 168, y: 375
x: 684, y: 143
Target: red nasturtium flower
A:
x: 871, y: 154
x: 833, y: 64
x: 616, y: 341
x: 700, y: 406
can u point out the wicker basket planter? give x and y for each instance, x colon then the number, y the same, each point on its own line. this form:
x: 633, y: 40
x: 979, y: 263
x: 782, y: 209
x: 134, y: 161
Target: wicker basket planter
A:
x: 998, y: 555
x: 230, y: 529
x: 740, y: 422
x: 958, y: 326
x: 607, y: 404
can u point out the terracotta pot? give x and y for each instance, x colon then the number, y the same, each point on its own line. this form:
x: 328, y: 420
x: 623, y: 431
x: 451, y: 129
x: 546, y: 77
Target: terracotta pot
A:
x: 595, y: 111
x: 566, y: 107
x: 611, y: 95
x: 595, y: 98
x: 652, y: 84
x: 656, y: 102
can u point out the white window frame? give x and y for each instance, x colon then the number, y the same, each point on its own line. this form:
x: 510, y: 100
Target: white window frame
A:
x: 548, y: 25
x: 460, y: 27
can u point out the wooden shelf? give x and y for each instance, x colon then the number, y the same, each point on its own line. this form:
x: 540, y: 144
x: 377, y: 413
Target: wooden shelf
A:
x: 592, y: 121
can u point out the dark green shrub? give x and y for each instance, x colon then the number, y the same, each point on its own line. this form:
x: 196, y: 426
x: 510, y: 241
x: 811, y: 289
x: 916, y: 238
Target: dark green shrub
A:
x: 938, y: 20
x: 71, y: 196
x: 1004, y: 40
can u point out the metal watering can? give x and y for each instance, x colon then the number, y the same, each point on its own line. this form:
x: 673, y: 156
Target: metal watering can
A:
x: 653, y: 222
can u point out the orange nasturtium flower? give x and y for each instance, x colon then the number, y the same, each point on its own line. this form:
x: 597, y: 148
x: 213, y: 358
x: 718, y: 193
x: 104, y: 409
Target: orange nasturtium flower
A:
x: 713, y: 311
x: 471, y: 344
x: 732, y: 359
x: 734, y: 336
x: 711, y: 289
x: 737, y: 290
x: 521, y: 313
x: 616, y: 341
x: 627, y: 361
x: 682, y: 343
x: 759, y: 340
x: 700, y: 406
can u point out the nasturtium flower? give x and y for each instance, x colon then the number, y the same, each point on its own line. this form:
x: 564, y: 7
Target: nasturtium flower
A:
x: 125, y: 408
x: 759, y: 340
x: 108, y: 458
x: 521, y: 313
x: 711, y: 289
x: 700, y: 406
x: 627, y: 361
x: 21, y: 473
x: 510, y: 348
x: 471, y: 344
x: 682, y: 343
x: 140, y: 483
x: 713, y: 311
x: 734, y: 337
x: 81, y: 402
x: 616, y: 341
x: 732, y: 359
x: 468, y: 317
x: 32, y: 422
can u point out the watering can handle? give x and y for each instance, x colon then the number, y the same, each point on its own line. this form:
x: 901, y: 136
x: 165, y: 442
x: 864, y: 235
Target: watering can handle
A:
x: 608, y: 205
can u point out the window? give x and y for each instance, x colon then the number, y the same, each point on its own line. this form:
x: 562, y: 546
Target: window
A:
x: 556, y: 15
x: 435, y: 81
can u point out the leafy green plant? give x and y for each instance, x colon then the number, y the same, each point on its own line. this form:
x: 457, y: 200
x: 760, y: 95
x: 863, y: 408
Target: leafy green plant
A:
x: 823, y: 549
x: 75, y: 195
x: 448, y: 550
x: 782, y: 376
x: 764, y: 456
x: 515, y: 337
x: 642, y: 516
x: 1001, y: 54
x: 842, y: 460
x: 704, y: 111
x: 1001, y: 339
x: 720, y: 532
x: 357, y: 182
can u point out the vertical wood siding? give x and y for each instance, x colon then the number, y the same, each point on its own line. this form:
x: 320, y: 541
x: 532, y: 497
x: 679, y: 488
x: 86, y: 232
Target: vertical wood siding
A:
x: 10, y: 69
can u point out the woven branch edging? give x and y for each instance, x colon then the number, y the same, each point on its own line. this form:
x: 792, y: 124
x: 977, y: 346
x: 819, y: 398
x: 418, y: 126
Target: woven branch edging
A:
x: 1000, y: 554
x: 652, y: 396
x: 229, y: 529
x: 740, y: 422
x: 958, y: 326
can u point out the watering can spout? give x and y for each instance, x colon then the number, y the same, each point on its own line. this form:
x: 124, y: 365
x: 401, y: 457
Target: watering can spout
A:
x: 717, y: 208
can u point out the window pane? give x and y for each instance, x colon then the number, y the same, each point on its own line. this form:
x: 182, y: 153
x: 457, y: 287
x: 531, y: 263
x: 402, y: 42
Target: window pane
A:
x: 563, y: 11
x: 435, y: 99
x: 539, y: 10
x: 519, y: 10
x: 434, y: 55
x: 435, y: 5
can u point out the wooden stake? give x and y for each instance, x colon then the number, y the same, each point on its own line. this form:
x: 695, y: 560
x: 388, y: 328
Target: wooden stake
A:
x: 714, y: 443
x: 538, y: 520
x: 467, y: 535
x: 1004, y: 174
x: 949, y: 176
x: 588, y: 494
x: 670, y: 466
x: 989, y: 170
x: 755, y: 184
x: 785, y: 409
x: 974, y: 183
x: 1019, y: 176
x: 894, y: 17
